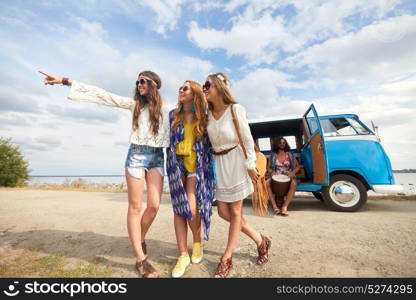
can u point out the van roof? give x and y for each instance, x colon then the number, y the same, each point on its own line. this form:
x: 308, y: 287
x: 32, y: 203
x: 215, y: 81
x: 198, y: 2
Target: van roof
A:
x: 285, y: 127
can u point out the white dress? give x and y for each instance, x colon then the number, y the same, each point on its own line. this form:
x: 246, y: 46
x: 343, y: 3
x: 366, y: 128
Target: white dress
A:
x: 233, y: 181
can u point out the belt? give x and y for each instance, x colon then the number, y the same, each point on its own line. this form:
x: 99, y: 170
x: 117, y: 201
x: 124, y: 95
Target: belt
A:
x: 223, y: 152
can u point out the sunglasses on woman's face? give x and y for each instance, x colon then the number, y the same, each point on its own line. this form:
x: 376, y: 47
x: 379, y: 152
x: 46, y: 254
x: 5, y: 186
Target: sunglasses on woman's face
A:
x: 207, y: 85
x: 184, y: 88
x: 141, y: 81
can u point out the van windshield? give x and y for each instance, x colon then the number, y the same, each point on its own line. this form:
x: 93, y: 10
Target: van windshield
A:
x: 342, y: 126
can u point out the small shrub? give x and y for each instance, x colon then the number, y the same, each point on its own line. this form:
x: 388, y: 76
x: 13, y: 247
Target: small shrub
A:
x: 13, y: 167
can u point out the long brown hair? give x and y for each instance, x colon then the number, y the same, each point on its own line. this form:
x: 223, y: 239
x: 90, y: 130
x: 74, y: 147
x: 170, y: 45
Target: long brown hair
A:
x: 200, y: 105
x: 276, y: 142
x: 153, y: 99
x: 222, y: 83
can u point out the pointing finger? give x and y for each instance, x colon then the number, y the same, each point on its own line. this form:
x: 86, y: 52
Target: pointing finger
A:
x: 46, y: 74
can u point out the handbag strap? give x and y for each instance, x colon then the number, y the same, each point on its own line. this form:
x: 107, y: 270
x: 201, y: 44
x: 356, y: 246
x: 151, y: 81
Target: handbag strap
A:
x: 237, y: 128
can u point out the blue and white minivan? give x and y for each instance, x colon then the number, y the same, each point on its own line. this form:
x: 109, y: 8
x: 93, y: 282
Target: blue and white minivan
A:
x: 341, y: 157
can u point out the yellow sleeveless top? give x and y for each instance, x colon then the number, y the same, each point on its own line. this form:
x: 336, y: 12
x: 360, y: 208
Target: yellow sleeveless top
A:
x: 185, y: 148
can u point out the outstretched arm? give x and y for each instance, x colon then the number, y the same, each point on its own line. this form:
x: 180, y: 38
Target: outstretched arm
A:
x: 89, y: 93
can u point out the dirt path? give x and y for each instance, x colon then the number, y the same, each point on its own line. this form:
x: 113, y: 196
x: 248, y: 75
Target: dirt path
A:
x: 378, y: 241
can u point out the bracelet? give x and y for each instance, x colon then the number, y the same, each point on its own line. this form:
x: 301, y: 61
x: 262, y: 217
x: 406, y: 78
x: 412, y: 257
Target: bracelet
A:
x: 65, y: 81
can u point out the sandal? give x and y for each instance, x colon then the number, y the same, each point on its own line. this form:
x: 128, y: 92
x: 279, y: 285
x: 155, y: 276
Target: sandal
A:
x: 263, y: 250
x: 284, y: 214
x: 145, y: 269
x: 276, y: 211
x: 144, y: 248
x: 223, y: 268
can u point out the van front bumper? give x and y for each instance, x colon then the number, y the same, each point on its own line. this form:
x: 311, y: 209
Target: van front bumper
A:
x: 388, y: 188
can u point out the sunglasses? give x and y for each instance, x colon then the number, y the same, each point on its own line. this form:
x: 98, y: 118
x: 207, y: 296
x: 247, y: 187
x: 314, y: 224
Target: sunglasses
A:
x: 207, y: 85
x: 184, y: 88
x: 141, y: 81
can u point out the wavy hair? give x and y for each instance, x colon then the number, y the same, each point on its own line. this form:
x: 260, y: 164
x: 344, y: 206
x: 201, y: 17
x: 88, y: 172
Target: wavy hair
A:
x: 276, y: 144
x: 222, y: 83
x: 201, y: 107
x: 153, y: 99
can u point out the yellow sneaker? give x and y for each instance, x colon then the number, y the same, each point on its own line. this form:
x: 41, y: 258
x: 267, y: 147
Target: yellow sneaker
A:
x: 183, y: 262
x: 197, y: 253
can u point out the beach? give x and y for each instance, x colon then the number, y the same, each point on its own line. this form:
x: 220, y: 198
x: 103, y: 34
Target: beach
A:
x: 83, y: 234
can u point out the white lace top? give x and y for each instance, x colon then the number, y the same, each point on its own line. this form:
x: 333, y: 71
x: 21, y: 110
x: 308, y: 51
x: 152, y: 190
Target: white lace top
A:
x: 143, y: 135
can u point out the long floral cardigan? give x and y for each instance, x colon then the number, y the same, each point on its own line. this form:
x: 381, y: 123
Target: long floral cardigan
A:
x: 205, y: 186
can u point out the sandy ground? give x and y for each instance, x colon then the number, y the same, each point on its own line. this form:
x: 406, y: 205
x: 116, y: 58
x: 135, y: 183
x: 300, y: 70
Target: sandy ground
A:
x: 378, y: 241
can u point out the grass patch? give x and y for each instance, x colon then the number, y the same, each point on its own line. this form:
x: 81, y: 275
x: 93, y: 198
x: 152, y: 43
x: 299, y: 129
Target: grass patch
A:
x: 4, y: 268
x: 78, y: 184
x: 91, y: 269
x: 29, y: 263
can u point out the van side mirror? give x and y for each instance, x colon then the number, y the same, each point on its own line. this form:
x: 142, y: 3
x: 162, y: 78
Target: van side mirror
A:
x: 375, y: 129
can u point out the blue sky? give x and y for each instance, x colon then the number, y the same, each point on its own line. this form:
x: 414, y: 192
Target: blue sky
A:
x: 343, y: 56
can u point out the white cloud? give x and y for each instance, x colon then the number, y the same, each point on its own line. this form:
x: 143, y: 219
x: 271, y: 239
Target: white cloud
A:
x: 199, y: 7
x: 50, y: 142
x: 258, y: 91
x: 330, y: 48
x: 85, y: 113
x: 406, y: 88
x: 317, y: 20
x: 14, y: 119
x: 391, y: 106
x: 262, y: 31
x: 359, y: 56
x: 15, y: 97
x: 10, y: 101
x: 86, y: 54
x: 90, y: 39
x: 248, y: 39
x: 94, y: 60
x: 167, y: 13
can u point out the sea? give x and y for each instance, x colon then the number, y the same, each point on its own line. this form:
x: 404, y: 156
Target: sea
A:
x: 408, y: 180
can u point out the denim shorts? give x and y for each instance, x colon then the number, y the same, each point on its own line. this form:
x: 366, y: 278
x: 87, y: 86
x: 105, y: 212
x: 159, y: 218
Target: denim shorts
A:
x: 184, y: 171
x: 141, y: 157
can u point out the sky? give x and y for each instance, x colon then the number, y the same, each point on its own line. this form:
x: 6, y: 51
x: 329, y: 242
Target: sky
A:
x: 281, y: 56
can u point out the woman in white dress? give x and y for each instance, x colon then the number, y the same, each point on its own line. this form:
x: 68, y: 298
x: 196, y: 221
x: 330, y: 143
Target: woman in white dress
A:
x: 234, y: 173
x: 145, y: 158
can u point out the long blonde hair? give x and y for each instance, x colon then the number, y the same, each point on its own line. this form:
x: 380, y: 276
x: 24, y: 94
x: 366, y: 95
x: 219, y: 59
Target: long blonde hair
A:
x: 200, y: 105
x: 153, y: 99
x: 222, y: 83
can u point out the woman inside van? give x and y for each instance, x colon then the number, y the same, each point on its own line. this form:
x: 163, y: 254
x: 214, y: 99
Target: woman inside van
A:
x: 282, y: 162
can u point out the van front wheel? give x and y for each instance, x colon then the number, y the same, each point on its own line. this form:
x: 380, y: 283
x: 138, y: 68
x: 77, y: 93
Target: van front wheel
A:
x: 345, y: 193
